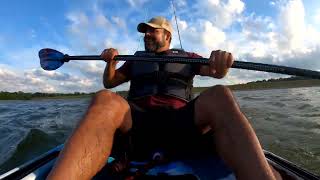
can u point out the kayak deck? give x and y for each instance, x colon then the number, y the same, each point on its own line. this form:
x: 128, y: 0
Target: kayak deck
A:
x: 203, y: 168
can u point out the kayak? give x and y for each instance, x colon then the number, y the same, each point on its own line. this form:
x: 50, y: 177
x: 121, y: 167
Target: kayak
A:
x: 186, y: 167
x: 209, y: 168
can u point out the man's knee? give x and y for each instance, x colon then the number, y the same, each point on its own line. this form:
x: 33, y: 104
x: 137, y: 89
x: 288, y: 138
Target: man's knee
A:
x: 113, y: 107
x: 106, y: 97
x: 218, y: 95
x: 214, y: 104
x: 111, y: 101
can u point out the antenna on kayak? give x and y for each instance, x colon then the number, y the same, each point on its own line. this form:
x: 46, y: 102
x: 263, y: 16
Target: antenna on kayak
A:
x: 175, y: 17
x: 145, y: 20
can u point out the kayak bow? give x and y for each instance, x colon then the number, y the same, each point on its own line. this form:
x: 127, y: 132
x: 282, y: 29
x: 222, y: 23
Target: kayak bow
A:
x: 199, y: 169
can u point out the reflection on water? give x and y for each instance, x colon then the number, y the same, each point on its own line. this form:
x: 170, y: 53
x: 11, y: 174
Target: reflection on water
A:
x: 287, y: 122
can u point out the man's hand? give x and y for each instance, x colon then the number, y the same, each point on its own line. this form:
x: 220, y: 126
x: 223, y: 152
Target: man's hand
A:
x: 219, y: 63
x: 109, y: 54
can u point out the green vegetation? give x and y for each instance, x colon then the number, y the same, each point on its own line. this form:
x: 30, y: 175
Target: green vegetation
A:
x: 28, y: 96
x: 282, y: 83
x: 292, y: 82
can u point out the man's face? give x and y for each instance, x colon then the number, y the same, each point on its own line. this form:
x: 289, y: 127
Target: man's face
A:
x: 154, y: 39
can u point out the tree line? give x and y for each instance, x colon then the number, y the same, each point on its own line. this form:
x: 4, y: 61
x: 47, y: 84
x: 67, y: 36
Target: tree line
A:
x: 27, y: 96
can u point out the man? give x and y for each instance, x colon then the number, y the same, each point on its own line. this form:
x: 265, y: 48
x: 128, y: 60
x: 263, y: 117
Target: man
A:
x: 163, y: 89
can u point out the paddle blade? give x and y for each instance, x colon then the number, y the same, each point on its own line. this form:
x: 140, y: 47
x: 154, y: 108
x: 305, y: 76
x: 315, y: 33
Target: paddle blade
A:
x: 50, y: 59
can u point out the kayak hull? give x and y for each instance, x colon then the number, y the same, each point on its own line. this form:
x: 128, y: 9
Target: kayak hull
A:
x: 208, y: 168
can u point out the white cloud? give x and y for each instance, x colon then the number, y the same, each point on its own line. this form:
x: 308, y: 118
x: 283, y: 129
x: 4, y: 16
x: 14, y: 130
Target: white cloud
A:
x: 89, y: 33
x: 183, y: 25
x: 50, y: 75
x: 312, y: 37
x: 102, y: 21
x: 4, y: 73
x: 259, y: 49
x: 279, y: 39
x: 90, y: 69
x: 256, y: 27
x: 287, y: 40
x: 119, y: 22
x: 235, y: 6
x: 180, y: 3
x: 272, y: 3
x: 13, y: 81
x: 79, y: 21
x: 137, y: 3
x: 38, y: 80
x: 214, y: 2
x: 95, y: 32
x: 222, y: 13
x: 317, y: 17
x: 292, y: 17
x: 212, y: 37
x: 79, y: 29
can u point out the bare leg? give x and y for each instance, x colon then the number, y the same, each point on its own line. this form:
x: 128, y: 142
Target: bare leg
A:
x: 275, y: 173
x: 235, y: 140
x: 89, y: 146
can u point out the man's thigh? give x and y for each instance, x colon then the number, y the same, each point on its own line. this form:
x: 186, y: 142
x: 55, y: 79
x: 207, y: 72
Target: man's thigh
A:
x: 170, y: 130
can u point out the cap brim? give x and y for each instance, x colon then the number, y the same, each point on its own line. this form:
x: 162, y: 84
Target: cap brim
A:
x: 142, y: 27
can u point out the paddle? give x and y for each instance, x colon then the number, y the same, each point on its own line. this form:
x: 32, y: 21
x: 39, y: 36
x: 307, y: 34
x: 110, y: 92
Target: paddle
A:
x: 51, y: 59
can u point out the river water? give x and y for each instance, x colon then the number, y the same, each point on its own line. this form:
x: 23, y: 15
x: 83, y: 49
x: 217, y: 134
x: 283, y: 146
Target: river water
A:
x: 287, y: 122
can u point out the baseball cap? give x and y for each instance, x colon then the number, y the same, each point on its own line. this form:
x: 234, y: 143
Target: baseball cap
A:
x: 156, y: 22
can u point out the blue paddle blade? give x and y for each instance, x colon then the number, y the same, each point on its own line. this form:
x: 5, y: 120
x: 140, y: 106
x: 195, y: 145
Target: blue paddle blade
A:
x: 50, y: 59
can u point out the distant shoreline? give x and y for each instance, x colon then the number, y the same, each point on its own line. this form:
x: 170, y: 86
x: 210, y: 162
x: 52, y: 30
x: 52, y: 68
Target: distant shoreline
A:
x: 39, y: 96
x: 264, y: 85
x: 276, y: 85
x: 258, y: 85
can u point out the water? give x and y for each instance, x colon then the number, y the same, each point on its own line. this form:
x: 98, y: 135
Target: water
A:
x: 287, y: 122
x: 29, y: 128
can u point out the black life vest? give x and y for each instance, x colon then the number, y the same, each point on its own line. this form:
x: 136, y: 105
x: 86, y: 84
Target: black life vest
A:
x: 150, y: 78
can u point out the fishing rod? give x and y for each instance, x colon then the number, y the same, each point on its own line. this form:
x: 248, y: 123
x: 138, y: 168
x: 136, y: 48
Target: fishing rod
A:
x: 51, y: 59
x: 175, y: 17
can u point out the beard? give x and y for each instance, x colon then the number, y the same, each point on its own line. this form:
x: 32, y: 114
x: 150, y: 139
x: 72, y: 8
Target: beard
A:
x: 151, y: 45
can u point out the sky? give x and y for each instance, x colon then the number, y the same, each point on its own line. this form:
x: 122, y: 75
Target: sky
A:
x: 281, y: 32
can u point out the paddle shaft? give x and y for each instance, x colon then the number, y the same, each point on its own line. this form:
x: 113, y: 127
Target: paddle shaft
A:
x: 204, y: 61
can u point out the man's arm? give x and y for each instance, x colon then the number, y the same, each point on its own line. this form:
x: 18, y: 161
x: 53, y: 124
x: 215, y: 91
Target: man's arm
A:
x: 111, y: 76
x: 219, y: 64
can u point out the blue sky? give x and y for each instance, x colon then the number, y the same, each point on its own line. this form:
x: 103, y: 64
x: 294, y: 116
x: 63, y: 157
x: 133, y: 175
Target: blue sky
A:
x: 285, y: 32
